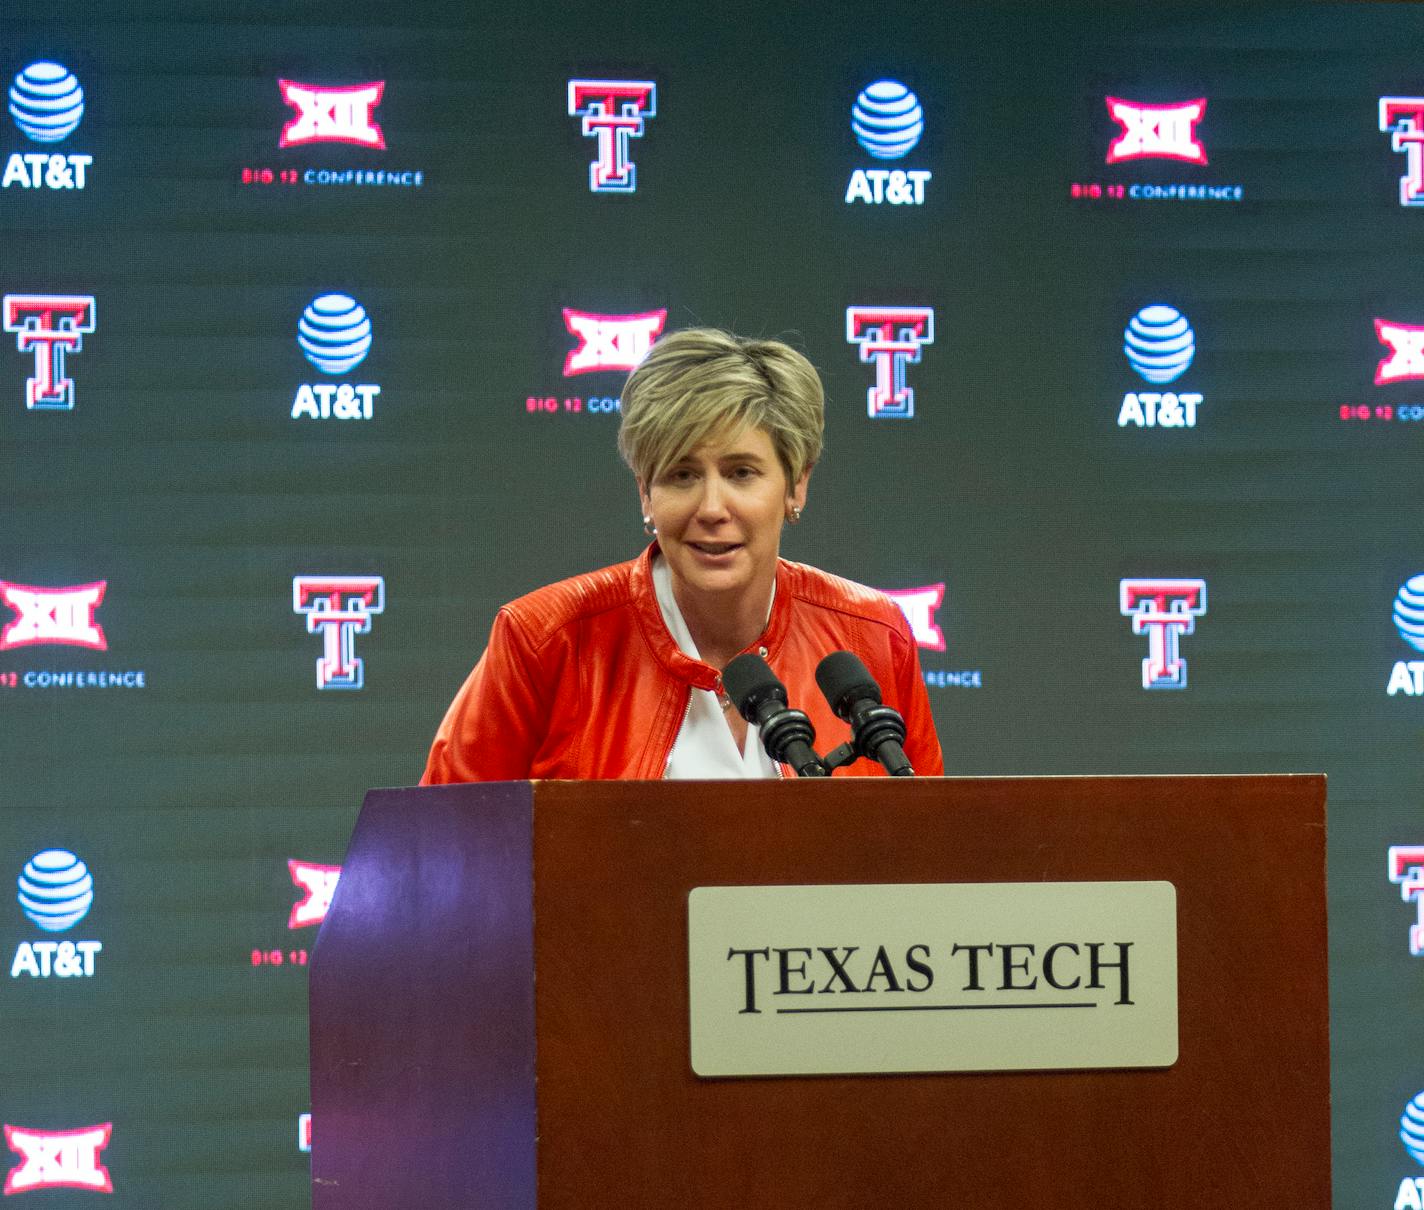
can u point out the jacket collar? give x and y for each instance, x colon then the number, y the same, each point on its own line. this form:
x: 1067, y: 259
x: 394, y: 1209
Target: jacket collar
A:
x: 666, y: 651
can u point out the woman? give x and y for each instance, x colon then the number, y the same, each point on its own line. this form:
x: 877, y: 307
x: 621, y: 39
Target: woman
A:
x: 616, y: 674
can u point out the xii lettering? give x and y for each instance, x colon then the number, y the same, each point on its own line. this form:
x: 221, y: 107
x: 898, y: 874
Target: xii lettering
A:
x: 919, y: 605
x: 319, y: 882
x: 1406, y: 357
x: 59, y: 1159
x: 610, y: 342
x: 60, y: 616
x: 332, y: 115
x: 1156, y: 131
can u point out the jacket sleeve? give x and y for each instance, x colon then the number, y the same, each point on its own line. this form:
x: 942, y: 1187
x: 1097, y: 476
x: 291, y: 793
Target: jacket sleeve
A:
x: 921, y: 739
x: 500, y: 716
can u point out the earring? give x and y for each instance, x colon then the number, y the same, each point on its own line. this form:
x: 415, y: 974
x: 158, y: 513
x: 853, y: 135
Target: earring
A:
x: 649, y: 528
x: 795, y: 513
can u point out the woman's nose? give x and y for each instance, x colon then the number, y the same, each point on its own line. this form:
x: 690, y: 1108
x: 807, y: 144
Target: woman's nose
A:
x: 713, y: 502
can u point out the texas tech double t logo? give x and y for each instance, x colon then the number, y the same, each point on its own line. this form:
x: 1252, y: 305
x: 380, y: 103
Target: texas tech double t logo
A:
x: 47, y: 326
x: 1406, y: 871
x: 1402, y: 118
x: 339, y: 608
x: 612, y: 113
x: 1163, y: 610
x: 890, y: 338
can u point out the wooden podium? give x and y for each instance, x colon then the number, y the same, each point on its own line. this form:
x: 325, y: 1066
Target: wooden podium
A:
x: 499, y: 1001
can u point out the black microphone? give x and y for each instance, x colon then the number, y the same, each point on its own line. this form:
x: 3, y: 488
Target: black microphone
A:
x: 761, y: 699
x: 876, y: 730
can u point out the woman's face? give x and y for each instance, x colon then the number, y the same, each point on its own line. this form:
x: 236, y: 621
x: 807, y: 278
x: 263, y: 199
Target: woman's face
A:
x: 719, y: 513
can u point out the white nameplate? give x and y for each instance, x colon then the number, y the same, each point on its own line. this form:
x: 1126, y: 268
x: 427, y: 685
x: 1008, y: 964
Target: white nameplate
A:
x: 818, y: 980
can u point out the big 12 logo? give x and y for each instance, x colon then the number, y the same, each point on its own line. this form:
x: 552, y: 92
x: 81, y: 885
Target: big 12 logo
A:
x: 58, y: 1159
x: 1165, y: 132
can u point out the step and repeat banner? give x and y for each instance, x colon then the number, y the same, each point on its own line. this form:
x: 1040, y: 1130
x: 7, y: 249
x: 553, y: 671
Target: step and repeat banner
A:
x: 313, y: 329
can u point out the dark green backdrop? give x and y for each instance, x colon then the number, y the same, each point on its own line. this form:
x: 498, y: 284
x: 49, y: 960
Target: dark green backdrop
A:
x: 180, y: 478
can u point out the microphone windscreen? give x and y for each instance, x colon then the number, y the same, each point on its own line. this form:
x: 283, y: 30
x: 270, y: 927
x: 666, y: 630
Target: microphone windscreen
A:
x: 844, y: 679
x: 749, y: 681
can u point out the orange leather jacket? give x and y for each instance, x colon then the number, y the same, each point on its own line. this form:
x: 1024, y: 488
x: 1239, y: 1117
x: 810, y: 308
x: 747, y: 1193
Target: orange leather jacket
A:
x: 582, y: 679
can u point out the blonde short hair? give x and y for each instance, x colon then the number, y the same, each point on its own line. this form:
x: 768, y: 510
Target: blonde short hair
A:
x: 702, y: 381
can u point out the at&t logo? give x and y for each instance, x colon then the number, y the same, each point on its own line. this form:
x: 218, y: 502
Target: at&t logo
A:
x: 1402, y: 118
x: 58, y: 1159
x: 1163, y: 610
x: 334, y: 334
x: 318, y: 884
x: 339, y: 608
x: 47, y: 326
x: 1410, y: 1195
x: 611, y: 113
x: 47, y: 105
x: 890, y: 339
x: 1159, y: 345
x: 888, y: 122
x: 56, y: 892
x: 1407, y: 676
x: 610, y: 342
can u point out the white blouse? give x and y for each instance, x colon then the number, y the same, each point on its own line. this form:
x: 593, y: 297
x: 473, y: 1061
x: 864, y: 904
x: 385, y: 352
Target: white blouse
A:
x: 705, y: 747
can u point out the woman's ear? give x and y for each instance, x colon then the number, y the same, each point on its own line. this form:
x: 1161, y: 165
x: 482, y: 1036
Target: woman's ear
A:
x: 796, y: 497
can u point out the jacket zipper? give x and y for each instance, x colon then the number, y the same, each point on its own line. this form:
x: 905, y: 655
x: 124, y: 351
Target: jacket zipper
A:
x: 686, y: 710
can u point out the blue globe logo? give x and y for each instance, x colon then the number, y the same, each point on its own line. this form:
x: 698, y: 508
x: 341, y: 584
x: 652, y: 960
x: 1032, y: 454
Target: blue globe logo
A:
x: 47, y: 102
x: 887, y: 119
x: 1159, y: 343
x: 56, y: 890
x: 334, y: 333
x: 1411, y: 1128
x: 1409, y: 612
